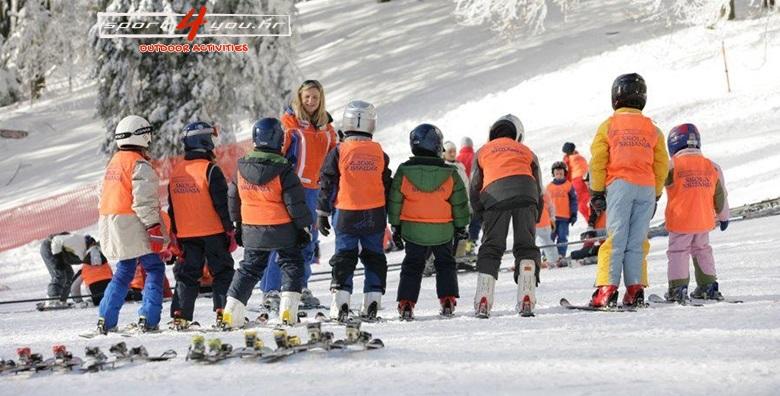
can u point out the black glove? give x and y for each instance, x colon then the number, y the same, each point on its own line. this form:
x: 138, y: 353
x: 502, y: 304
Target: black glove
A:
x: 724, y: 224
x: 598, y: 201
x: 655, y: 207
x: 239, y: 235
x: 461, y: 233
x: 397, y: 239
x: 573, y: 219
x: 323, y: 225
x: 304, y: 238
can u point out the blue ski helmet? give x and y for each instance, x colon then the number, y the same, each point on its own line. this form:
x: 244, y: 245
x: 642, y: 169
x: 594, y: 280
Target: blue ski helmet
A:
x: 267, y: 133
x: 198, y: 136
x: 426, y: 139
x: 683, y: 136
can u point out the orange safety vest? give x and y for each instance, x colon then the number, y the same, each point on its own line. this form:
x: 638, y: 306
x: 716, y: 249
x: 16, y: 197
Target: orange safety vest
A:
x: 314, y: 146
x: 601, y: 221
x: 361, y: 164
x: 559, y: 193
x: 117, y: 195
x: 632, y: 138
x: 262, y: 204
x: 138, y: 278
x: 96, y: 273
x: 193, y: 208
x: 426, y: 206
x: 504, y: 157
x: 577, y: 165
x: 545, y: 221
x: 690, y: 207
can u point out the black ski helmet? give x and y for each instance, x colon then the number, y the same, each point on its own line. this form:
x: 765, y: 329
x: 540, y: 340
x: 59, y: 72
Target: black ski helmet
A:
x: 559, y: 165
x: 568, y: 148
x: 267, y: 133
x: 426, y: 139
x: 629, y: 90
x: 198, y: 136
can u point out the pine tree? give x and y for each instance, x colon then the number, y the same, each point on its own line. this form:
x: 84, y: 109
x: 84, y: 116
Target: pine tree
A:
x: 28, y: 50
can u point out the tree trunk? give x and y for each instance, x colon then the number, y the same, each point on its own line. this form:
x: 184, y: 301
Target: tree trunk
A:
x: 769, y: 4
x: 732, y: 11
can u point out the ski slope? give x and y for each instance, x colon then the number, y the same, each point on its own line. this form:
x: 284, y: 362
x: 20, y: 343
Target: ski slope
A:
x: 417, y: 65
x: 717, y: 349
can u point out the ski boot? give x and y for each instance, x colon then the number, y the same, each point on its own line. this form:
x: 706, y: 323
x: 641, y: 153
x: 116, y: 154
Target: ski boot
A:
x: 677, y: 294
x: 339, y: 306
x: 271, y: 300
x: 179, y: 323
x: 707, y: 292
x: 144, y: 328
x: 101, y: 327
x: 233, y: 316
x: 604, y: 297
x: 288, y: 308
x: 406, y: 310
x: 308, y: 300
x: 634, y: 297
x: 448, y: 304
x: 483, y: 299
x: 371, y: 305
x: 526, y: 288
x: 197, y: 350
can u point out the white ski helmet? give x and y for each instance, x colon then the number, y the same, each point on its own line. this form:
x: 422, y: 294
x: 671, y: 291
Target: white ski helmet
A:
x: 359, y: 116
x: 516, y: 122
x: 133, y: 131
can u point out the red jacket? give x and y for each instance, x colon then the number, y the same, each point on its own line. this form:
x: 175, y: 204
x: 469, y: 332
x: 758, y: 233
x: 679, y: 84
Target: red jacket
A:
x: 466, y: 157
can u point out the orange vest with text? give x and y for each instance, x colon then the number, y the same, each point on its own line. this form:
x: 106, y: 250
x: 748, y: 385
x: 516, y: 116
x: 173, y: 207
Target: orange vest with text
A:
x: 559, y: 194
x: 690, y: 207
x: 193, y: 209
x: 116, y: 198
x: 504, y: 157
x: 361, y: 164
x: 262, y: 204
x: 632, y: 138
x: 427, y: 207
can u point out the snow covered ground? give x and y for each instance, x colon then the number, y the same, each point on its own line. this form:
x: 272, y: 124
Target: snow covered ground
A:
x: 717, y: 349
x: 413, y: 61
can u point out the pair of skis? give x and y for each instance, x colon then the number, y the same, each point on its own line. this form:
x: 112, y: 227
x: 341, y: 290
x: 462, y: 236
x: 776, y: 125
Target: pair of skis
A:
x: 653, y: 299
x: 63, y: 360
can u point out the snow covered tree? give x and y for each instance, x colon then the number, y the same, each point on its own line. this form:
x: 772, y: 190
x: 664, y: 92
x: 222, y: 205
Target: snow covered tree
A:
x: 510, y: 16
x: 688, y: 12
x: 28, y: 50
x: 173, y: 89
x: 67, y: 36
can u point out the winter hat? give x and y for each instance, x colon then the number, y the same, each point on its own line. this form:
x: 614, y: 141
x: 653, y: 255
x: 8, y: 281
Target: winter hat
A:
x: 466, y: 142
x: 449, y: 146
x: 568, y: 148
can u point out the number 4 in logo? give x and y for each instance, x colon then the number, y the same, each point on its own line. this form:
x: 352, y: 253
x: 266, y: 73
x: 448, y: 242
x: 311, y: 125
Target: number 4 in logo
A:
x: 195, y: 25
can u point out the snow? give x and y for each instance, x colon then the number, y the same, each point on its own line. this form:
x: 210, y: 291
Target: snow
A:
x: 414, y: 62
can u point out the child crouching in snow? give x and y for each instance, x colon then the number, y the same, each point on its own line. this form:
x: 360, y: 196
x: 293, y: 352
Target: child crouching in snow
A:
x: 697, y: 194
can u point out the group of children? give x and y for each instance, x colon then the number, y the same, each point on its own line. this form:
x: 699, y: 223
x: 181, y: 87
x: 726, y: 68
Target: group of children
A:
x: 428, y: 202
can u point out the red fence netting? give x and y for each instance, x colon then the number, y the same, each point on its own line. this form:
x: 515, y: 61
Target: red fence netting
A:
x: 78, y: 208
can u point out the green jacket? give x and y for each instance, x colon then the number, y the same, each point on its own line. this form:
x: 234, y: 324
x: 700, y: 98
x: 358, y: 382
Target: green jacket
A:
x: 427, y: 174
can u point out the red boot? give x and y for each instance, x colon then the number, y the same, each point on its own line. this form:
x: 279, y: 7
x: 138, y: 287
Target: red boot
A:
x: 635, y: 296
x: 448, y: 305
x: 604, y: 296
x: 406, y: 309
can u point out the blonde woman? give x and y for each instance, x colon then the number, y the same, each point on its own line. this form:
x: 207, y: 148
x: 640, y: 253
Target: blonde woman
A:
x: 308, y: 138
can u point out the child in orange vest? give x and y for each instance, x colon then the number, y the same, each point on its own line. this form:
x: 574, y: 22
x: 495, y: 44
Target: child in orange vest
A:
x: 697, y: 194
x: 428, y: 209
x: 268, y: 204
x: 578, y: 169
x: 564, y: 199
x: 544, y: 232
x: 627, y: 170
x: 355, y: 181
